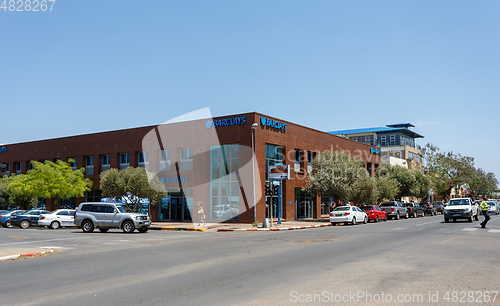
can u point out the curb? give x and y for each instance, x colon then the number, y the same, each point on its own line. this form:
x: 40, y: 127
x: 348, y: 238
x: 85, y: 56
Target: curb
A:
x: 25, y: 255
x: 170, y: 228
x: 273, y: 229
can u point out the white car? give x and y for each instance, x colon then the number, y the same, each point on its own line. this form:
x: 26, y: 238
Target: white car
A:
x: 492, y: 208
x: 348, y: 214
x: 58, y: 218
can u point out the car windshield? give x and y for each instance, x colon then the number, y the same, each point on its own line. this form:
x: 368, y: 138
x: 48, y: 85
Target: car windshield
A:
x: 365, y: 208
x: 409, y: 204
x: 491, y: 204
x: 458, y: 202
x: 123, y: 209
x: 342, y: 208
x: 387, y: 204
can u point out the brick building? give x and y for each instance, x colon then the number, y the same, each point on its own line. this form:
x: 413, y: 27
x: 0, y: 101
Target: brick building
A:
x: 208, y: 160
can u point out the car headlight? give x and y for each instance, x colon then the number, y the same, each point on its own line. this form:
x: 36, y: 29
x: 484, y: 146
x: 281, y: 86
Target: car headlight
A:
x: 466, y: 210
x: 446, y: 211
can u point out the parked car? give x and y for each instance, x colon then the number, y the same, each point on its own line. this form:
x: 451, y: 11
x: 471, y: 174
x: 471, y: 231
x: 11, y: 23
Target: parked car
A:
x: 439, y: 206
x: 374, y: 213
x: 414, y: 210
x: 58, y: 218
x: 394, y: 209
x: 461, y: 208
x: 492, y: 208
x: 428, y: 209
x: 5, y: 218
x: 104, y: 216
x: 27, y: 219
x: 347, y: 214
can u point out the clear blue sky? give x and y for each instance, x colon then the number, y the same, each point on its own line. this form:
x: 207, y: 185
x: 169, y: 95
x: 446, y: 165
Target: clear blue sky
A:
x: 91, y: 66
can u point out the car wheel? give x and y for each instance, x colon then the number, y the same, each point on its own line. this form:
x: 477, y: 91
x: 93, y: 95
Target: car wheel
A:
x: 143, y: 230
x: 353, y: 222
x: 385, y: 218
x: 365, y: 220
x: 8, y: 224
x: 454, y: 220
x: 54, y: 225
x: 104, y: 230
x: 406, y: 216
x: 376, y: 219
x: 446, y: 220
x: 24, y: 224
x: 87, y: 226
x: 128, y: 227
x: 397, y: 216
x: 477, y: 217
x: 471, y: 218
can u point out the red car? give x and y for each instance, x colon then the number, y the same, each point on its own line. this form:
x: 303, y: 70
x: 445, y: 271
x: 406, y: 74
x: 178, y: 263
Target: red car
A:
x: 374, y: 213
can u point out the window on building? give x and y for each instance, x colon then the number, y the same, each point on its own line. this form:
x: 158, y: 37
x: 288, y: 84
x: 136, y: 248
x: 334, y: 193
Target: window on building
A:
x: 367, y: 139
x: 143, y: 160
x: 7, y: 169
x: 298, y: 161
x: 164, y: 160
x: 354, y: 138
x: 124, y: 160
x: 369, y: 168
x: 383, y: 141
x: 30, y: 166
x: 224, y: 182
x: 310, y: 156
x: 274, y: 155
x: 72, y: 164
x: 393, y: 140
x: 186, y: 159
x: 106, y: 162
x: 89, y: 165
x: 18, y: 167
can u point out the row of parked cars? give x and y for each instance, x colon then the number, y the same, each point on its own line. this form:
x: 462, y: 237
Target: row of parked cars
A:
x: 385, y: 210
x: 87, y: 216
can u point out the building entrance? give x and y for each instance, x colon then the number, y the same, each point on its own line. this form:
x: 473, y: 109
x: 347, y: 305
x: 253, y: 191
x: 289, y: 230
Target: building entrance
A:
x: 303, y: 205
x: 176, y: 207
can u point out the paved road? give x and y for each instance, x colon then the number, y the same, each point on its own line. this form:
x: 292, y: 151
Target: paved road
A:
x: 413, y: 259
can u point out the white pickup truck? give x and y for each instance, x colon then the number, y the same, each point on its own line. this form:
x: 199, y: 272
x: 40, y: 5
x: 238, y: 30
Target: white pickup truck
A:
x: 461, y: 208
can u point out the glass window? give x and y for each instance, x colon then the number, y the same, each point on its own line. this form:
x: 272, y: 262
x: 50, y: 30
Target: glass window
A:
x: 106, y: 162
x: 7, y: 169
x: 89, y: 165
x: 143, y: 160
x: 124, y: 160
x: 164, y: 160
x: 382, y: 140
x: 72, y: 164
x: 224, y: 185
x: 30, y: 166
x: 18, y: 167
x: 186, y: 160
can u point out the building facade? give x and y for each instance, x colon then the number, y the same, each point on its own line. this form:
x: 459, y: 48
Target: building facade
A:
x: 208, y: 161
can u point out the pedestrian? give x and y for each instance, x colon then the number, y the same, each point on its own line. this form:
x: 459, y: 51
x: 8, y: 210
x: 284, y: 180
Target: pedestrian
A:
x: 484, y: 209
x: 201, y: 214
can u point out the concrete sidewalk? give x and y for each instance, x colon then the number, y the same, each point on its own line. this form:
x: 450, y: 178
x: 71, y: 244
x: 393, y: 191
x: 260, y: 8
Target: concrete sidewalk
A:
x: 15, y: 253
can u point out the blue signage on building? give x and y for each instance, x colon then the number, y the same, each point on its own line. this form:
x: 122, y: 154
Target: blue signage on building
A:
x: 3, y: 149
x: 272, y: 123
x: 376, y: 151
x: 226, y: 122
x: 174, y: 179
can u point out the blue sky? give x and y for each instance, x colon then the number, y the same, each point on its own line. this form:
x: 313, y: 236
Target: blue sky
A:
x: 91, y: 66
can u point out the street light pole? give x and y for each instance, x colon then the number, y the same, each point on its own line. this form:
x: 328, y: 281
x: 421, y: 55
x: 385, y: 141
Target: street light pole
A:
x: 254, y: 126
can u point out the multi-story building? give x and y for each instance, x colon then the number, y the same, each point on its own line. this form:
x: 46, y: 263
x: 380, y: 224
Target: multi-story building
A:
x: 207, y: 160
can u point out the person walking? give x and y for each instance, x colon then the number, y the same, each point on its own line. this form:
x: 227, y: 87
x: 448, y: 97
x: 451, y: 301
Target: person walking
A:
x: 484, y: 209
x: 201, y: 214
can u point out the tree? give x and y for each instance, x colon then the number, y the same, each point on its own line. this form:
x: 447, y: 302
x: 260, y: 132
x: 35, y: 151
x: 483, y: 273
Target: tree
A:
x: 52, y: 180
x: 483, y: 184
x: 387, y: 188
x: 447, y: 170
x: 19, y: 196
x: 423, y: 184
x: 341, y: 176
x: 405, y: 179
x: 132, y: 184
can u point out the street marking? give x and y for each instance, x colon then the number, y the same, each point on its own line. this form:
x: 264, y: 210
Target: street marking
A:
x: 398, y: 228
x: 18, y: 237
x: 494, y: 231
x: 469, y: 229
x: 37, y: 241
x: 57, y: 248
x: 428, y: 223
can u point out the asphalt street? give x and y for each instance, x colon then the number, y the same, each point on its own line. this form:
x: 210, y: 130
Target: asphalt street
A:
x: 416, y: 261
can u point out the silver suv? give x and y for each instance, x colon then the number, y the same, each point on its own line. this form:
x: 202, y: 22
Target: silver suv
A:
x: 104, y: 216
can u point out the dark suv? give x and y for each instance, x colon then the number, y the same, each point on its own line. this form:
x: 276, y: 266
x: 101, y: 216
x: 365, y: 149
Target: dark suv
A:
x: 110, y: 215
x: 414, y: 210
x: 428, y: 209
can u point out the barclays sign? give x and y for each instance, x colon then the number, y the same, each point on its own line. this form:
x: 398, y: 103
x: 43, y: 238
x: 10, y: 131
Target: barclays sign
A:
x: 225, y: 122
x: 272, y: 123
x: 3, y: 149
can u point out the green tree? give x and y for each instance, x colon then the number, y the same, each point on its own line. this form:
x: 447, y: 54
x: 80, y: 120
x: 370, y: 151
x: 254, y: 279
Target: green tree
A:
x: 19, y: 196
x: 447, y: 169
x: 52, y: 180
x: 387, y: 188
x: 132, y: 184
x: 423, y: 183
x: 484, y: 184
x: 405, y: 179
x: 340, y: 175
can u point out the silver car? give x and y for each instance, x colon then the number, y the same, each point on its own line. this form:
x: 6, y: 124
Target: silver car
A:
x: 91, y: 215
